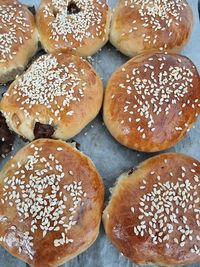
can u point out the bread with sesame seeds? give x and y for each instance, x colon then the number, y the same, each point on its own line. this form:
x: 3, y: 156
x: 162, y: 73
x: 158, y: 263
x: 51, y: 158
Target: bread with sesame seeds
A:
x: 152, y: 101
x: 18, y: 39
x: 153, y: 215
x: 144, y: 26
x: 79, y: 26
x: 56, y: 97
x: 51, y: 199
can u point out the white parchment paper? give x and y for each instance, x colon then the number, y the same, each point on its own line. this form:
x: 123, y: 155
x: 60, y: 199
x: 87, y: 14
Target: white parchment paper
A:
x: 110, y: 158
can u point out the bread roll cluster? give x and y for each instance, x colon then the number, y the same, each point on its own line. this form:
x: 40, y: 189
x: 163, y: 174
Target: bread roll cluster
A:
x: 51, y: 194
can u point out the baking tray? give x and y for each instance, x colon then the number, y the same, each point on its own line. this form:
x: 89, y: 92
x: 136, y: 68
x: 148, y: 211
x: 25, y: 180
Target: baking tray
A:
x: 110, y: 158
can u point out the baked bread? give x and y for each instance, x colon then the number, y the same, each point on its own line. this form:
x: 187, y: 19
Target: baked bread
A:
x: 144, y: 26
x: 18, y: 39
x: 79, y: 26
x: 152, y: 101
x: 51, y: 203
x: 56, y: 97
x: 153, y: 214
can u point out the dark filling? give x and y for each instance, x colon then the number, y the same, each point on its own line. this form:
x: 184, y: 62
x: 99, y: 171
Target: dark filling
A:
x: 43, y: 130
x: 131, y: 171
x: 72, y: 8
x: 32, y: 9
x: 77, y: 145
x: 6, y: 137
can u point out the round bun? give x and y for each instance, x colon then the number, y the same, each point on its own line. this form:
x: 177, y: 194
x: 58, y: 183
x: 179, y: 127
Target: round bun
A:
x: 56, y: 97
x: 152, y: 101
x: 79, y: 26
x: 51, y: 199
x: 139, y: 26
x: 153, y: 215
x: 18, y: 39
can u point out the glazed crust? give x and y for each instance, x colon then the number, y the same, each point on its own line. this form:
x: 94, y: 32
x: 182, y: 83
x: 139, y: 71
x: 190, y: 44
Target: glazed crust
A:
x: 82, y: 33
x: 19, y: 40
x: 139, y: 27
x: 152, y: 101
x: 161, y: 178
x: 82, y: 182
x: 60, y: 90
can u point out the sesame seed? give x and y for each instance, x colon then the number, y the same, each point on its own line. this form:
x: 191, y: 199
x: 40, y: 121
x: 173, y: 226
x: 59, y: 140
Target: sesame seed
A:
x: 75, y: 28
x: 165, y: 212
x: 46, y: 83
x: 156, y: 93
x: 12, y: 18
x: 132, y: 209
x: 41, y: 198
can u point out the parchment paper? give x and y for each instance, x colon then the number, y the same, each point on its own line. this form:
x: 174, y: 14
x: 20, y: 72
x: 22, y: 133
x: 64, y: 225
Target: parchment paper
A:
x: 110, y: 158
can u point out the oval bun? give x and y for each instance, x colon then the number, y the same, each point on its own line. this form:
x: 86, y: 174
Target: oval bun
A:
x: 144, y: 26
x: 51, y: 203
x: 152, y: 101
x: 153, y: 214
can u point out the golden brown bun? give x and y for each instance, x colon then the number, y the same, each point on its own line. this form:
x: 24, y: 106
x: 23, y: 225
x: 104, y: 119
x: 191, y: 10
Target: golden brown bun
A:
x: 80, y: 26
x: 152, y: 101
x: 153, y: 214
x: 140, y: 26
x: 51, y: 203
x: 60, y: 90
x: 18, y: 39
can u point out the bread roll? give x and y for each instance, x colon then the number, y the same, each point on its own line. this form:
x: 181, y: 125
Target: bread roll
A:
x: 51, y: 202
x: 80, y: 26
x: 152, y: 101
x: 18, y: 39
x: 143, y: 26
x: 153, y: 215
x: 56, y: 97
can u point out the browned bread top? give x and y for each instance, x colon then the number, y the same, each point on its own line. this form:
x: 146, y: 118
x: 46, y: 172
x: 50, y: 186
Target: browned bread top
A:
x: 152, y: 101
x: 51, y: 199
x: 79, y: 27
x: 144, y: 26
x: 154, y: 212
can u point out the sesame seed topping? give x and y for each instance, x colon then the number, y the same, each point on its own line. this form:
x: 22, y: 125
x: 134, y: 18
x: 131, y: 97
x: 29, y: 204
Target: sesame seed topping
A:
x: 167, y: 210
x: 52, y: 85
x: 156, y: 17
x: 149, y: 95
x: 15, y: 28
x: 35, y: 189
x: 75, y: 28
